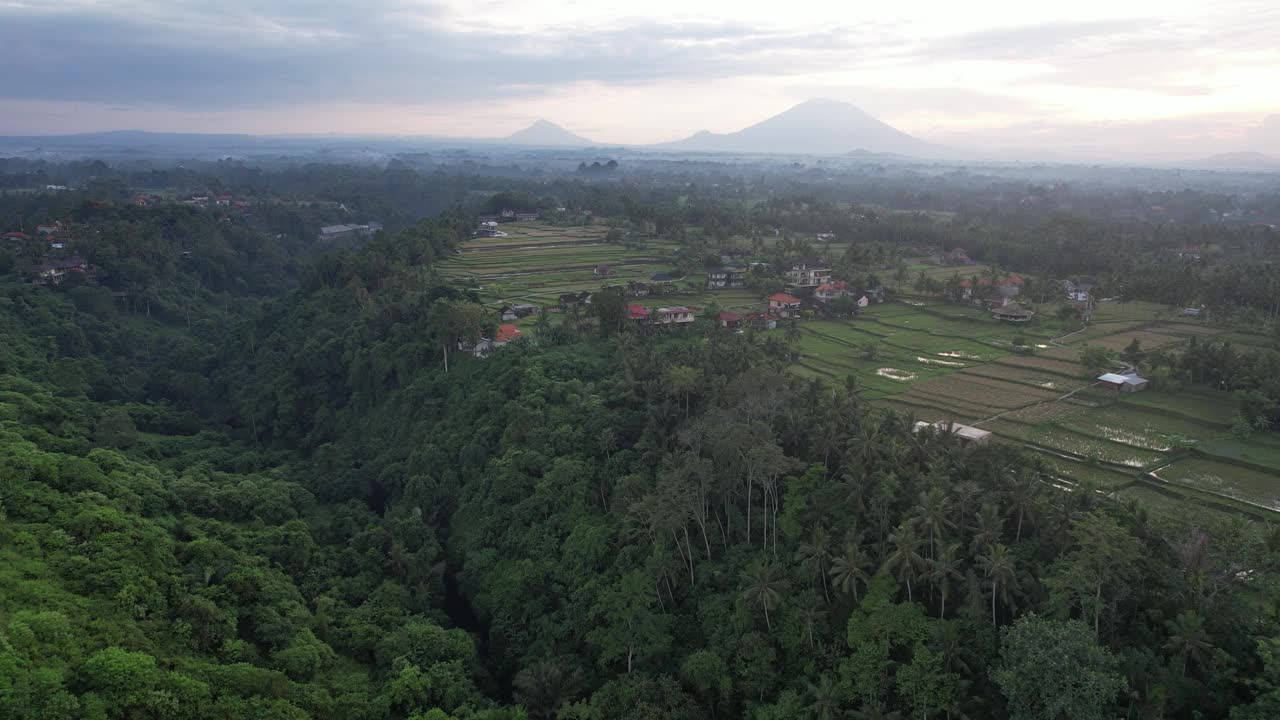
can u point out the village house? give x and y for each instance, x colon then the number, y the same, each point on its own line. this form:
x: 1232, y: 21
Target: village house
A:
x: 1127, y: 382
x: 488, y: 228
x: 1010, y: 286
x: 673, y: 316
x: 638, y: 314
x: 829, y: 291
x: 16, y: 235
x: 1077, y: 291
x: 729, y: 320
x: 731, y: 275
x: 527, y: 216
x: 349, y: 231
x: 53, y: 229
x: 956, y: 256
x: 603, y: 271
x: 763, y: 321
x: 810, y: 272
x: 1013, y: 312
x: 966, y: 433
x: 504, y: 335
x: 784, y: 305
x: 55, y: 271
x: 568, y: 300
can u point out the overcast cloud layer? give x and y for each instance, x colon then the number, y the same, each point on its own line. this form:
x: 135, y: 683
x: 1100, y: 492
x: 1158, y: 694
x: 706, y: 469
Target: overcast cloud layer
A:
x: 1155, y: 76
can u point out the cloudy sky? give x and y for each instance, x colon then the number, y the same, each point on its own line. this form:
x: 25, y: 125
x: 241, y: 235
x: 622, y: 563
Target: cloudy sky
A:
x: 1142, y: 75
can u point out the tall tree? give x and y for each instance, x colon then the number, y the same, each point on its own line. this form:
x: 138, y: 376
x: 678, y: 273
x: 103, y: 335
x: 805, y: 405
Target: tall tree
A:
x: 763, y: 587
x: 997, y: 565
x: 1055, y: 670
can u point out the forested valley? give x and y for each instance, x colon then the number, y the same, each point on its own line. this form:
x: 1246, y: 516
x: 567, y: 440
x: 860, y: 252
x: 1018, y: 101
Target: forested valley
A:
x: 259, y: 485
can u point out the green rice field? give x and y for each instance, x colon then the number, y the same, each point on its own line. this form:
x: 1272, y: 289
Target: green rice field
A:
x: 938, y: 361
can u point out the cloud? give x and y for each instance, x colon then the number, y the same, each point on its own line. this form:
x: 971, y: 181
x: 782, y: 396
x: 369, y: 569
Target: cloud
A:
x: 190, y: 56
x: 1265, y: 136
x: 1033, y: 43
x: 709, y: 64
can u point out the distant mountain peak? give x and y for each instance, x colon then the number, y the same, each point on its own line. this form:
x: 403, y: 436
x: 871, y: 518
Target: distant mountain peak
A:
x: 1243, y: 160
x: 815, y: 126
x: 545, y: 132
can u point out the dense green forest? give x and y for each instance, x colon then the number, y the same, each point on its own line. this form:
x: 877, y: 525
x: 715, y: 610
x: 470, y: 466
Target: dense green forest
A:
x: 251, y: 489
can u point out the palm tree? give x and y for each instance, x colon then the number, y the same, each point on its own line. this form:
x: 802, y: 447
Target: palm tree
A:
x: 763, y: 587
x: 847, y: 569
x: 1188, y: 638
x: 825, y: 702
x: 931, y: 514
x: 905, y: 561
x: 814, y: 555
x: 1023, y: 496
x: 997, y: 564
x: 811, y: 615
x: 964, y: 495
x: 987, y: 528
x: 942, y: 570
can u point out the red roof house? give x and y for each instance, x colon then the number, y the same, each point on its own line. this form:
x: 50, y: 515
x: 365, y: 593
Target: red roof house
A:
x: 506, y: 333
x: 729, y: 319
x: 784, y: 304
x: 15, y: 235
x: 637, y: 312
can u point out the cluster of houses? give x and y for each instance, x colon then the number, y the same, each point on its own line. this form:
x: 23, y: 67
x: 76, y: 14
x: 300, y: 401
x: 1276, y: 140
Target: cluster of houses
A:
x: 996, y: 294
x: 511, y: 216
x: 48, y: 243
x: 488, y: 224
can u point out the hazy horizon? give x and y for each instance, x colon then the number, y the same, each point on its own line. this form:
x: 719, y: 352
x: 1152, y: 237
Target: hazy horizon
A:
x: 1136, y: 79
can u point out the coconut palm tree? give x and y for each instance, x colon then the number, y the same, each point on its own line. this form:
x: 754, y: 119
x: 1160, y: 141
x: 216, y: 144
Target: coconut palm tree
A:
x: 997, y: 565
x: 814, y: 554
x: 942, y: 571
x: 847, y: 569
x: 1024, y: 495
x: 763, y: 587
x: 905, y: 561
x: 1188, y: 638
x: 826, y: 703
x: 931, y: 514
x: 987, y: 528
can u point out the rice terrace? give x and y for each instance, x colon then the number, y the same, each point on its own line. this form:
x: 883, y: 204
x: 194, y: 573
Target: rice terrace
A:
x: 945, y: 362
